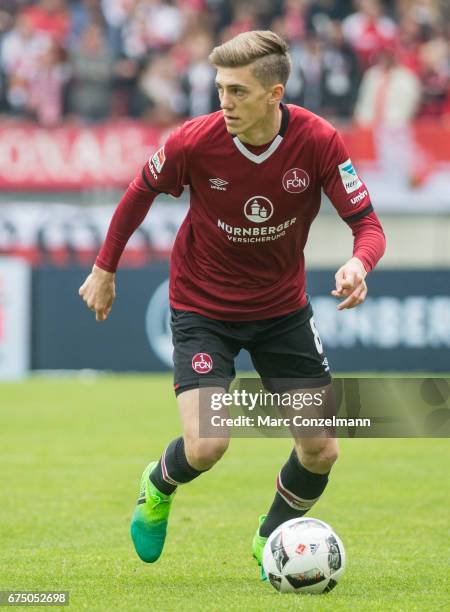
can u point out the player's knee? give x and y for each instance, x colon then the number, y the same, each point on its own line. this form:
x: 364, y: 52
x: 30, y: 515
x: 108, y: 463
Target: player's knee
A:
x: 204, y: 453
x: 320, y: 459
x: 328, y: 457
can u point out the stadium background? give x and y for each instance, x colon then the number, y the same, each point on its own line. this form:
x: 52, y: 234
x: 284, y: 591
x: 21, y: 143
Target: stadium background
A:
x: 89, y: 88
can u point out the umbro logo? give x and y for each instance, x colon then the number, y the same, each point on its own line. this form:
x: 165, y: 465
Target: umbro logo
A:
x: 217, y: 183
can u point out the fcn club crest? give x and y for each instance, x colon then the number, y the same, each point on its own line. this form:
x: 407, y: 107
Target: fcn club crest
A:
x: 296, y: 180
x: 202, y: 363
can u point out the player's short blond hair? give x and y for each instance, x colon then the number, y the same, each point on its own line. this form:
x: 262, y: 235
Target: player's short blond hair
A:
x: 265, y: 51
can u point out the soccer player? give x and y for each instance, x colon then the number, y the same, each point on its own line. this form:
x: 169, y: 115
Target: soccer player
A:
x: 255, y: 170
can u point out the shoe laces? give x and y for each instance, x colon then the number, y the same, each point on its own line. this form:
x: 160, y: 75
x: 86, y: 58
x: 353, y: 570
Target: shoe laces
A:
x: 157, y: 500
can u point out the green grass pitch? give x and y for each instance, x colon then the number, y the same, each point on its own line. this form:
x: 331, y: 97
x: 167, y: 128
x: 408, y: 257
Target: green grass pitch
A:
x: 72, y: 452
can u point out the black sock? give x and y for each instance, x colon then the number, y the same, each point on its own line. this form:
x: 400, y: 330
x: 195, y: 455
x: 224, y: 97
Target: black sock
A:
x: 173, y: 468
x: 297, y: 490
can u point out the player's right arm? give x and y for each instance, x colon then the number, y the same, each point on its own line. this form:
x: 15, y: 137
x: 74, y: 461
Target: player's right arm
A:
x: 164, y: 173
x: 98, y: 292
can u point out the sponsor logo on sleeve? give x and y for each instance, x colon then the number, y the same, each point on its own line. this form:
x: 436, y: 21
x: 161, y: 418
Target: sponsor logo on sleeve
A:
x: 152, y: 170
x: 349, y: 178
x: 359, y: 196
x: 158, y: 159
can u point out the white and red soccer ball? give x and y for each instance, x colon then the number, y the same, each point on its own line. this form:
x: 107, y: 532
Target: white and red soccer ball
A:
x: 304, y: 555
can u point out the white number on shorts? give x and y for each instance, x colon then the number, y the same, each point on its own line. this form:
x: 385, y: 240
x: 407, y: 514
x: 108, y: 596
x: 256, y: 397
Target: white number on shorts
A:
x: 317, y: 340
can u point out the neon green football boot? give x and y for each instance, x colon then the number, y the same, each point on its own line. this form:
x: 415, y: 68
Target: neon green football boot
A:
x: 258, y: 546
x: 149, y: 521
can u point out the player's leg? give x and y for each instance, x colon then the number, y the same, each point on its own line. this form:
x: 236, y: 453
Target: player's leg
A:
x: 291, y: 350
x: 301, y: 481
x: 202, y: 450
x: 183, y: 460
x: 193, y: 453
x: 189, y: 455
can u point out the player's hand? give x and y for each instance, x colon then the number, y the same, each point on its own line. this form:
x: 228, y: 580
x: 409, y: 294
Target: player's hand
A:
x: 350, y: 284
x: 98, y: 292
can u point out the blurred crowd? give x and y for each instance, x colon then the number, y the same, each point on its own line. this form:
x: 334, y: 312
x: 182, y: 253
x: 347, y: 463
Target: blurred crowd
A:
x: 90, y: 60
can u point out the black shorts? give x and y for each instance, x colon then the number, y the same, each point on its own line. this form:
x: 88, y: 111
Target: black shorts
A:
x: 286, y: 351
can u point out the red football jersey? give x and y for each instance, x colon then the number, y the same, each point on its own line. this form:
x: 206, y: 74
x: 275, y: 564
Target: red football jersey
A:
x: 239, y: 252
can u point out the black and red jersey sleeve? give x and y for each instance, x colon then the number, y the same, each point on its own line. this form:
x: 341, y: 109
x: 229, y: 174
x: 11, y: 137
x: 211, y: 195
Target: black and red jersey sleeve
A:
x: 340, y: 182
x: 351, y: 199
x: 165, y: 171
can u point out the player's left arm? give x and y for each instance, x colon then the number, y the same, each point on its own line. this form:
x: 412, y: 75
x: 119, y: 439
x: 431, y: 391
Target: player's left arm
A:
x: 351, y: 199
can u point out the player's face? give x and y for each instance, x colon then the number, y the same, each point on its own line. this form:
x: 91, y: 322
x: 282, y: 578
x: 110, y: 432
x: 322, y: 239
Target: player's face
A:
x: 246, y: 103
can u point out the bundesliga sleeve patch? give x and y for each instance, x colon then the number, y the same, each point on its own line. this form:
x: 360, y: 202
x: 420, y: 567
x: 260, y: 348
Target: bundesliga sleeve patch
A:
x: 158, y: 159
x: 349, y: 178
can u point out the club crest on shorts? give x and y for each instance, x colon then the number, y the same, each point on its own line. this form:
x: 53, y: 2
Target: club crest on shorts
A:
x: 202, y: 363
x: 295, y: 180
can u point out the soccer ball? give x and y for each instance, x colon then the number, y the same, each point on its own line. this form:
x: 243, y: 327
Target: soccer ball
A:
x: 304, y: 555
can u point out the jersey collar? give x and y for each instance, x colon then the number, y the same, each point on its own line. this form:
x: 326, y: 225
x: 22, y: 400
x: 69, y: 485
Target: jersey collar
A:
x: 258, y: 159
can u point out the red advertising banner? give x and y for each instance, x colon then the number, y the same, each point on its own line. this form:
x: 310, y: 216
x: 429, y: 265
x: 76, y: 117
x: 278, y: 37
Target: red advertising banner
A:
x: 72, y: 157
